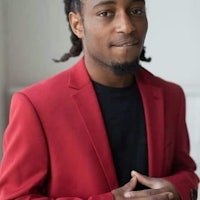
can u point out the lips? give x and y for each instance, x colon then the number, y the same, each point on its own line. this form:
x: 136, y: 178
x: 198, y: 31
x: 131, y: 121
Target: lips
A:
x: 124, y: 43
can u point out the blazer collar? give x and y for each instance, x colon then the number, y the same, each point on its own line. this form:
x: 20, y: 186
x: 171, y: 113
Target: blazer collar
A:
x: 79, y: 76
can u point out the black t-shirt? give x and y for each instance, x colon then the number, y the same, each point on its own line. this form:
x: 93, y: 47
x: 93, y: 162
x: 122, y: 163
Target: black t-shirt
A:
x: 124, y: 119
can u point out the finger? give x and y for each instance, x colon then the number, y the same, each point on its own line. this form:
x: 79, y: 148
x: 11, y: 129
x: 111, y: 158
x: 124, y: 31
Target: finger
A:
x: 156, y: 193
x: 145, y: 180
x: 145, y: 193
x: 130, y: 185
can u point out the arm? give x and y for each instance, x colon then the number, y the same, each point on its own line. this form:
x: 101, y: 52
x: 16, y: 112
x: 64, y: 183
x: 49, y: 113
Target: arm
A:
x: 182, y: 176
x: 24, y: 170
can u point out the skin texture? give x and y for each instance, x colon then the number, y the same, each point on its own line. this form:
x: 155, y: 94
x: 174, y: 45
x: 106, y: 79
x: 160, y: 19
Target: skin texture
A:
x: 113, y: 33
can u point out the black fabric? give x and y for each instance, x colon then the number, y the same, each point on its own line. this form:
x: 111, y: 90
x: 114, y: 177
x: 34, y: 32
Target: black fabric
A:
x: 123, y: 114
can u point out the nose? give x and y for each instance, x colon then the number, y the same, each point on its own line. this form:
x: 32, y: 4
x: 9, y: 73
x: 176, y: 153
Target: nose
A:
x: 124, y: 23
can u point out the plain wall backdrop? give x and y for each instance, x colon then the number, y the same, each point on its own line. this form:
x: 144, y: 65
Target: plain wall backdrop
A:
x: 2, y: 72
x: 37, y: 32
x: 32, y: 32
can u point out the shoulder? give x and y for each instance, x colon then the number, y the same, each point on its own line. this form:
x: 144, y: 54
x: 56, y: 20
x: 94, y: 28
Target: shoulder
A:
x: 167, y: 86
x: 57, y: 90
x: 54, y: 85
x: 150, y: 78
x: 49, y: 85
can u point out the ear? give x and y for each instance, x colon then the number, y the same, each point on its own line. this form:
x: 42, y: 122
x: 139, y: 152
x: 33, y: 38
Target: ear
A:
x: 76, y: 24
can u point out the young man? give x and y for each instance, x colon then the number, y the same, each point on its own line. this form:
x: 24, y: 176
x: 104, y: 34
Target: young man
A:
x: 104, y: 129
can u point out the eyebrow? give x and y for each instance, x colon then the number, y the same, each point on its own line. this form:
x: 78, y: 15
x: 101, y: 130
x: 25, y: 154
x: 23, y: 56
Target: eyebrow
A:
x: 108, y: 2
x: 103, y: 3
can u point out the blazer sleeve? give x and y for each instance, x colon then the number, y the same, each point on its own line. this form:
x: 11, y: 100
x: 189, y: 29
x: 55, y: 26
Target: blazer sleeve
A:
x: 25, y: 164
x: 183, y: 167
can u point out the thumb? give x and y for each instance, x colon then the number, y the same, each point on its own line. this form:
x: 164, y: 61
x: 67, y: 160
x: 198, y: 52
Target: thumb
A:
x: 145, y: 180
x: 130, y: 185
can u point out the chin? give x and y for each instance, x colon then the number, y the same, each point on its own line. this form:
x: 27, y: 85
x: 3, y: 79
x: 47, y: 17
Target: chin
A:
x: 124, y: 68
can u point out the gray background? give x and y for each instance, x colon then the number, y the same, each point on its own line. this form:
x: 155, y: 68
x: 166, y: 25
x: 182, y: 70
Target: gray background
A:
x: 32, y: 32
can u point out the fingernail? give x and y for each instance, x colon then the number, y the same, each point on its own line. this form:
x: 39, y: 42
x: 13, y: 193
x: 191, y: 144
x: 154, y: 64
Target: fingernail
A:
x: 127, y: 195
x: 133, y: 172
x: 170, y: 196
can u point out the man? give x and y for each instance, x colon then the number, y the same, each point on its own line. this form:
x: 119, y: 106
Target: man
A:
x: 104, y: 129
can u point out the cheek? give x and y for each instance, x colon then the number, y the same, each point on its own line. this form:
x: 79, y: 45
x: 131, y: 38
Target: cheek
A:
x: 142, y: 27
x: 145, y: 27
x: 95, y: 28
x: 94, y: 36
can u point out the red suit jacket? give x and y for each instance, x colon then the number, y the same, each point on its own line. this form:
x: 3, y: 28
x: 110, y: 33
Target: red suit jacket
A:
x: 56, y: 146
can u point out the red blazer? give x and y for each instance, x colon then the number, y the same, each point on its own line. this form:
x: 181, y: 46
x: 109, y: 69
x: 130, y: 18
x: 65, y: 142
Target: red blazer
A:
x: 56, y: 146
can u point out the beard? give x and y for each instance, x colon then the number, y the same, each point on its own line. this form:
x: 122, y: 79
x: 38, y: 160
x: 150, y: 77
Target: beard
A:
x: 119, y: 68
x: 125, y: 68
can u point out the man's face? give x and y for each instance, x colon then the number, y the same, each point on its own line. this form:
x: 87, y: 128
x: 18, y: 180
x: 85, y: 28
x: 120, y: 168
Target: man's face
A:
x: 113, y: 31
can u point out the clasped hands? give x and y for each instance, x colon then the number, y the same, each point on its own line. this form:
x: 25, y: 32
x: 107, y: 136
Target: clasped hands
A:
x: 159, y: 189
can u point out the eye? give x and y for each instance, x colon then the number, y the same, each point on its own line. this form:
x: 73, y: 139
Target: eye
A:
x: 105, y: 14
x: 138, y: 11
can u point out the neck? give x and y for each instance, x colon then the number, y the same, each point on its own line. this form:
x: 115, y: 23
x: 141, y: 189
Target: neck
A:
x: 105, y: 76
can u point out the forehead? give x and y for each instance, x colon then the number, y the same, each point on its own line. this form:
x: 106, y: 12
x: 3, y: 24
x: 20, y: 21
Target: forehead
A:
x: 96, y: 3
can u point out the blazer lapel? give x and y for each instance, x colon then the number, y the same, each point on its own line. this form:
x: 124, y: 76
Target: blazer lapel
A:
x: 87, y: 103
x: 152, y: 97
